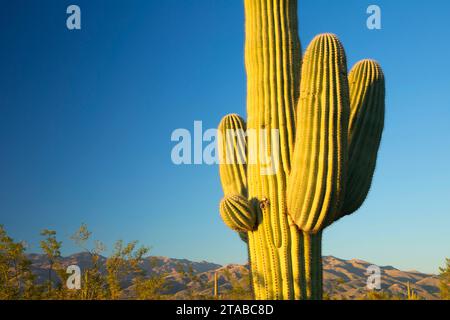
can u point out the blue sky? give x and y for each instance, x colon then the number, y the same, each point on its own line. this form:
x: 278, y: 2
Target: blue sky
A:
x: 86, y: 118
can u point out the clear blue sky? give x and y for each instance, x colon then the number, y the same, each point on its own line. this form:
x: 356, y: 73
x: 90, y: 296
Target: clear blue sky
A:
x: 86, y: 118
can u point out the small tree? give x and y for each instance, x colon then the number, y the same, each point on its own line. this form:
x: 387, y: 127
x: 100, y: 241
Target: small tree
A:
x: 16, y: 279
x: 445, y: 280
x: 124, y: 261
x: 52, y: 249
x: 93, y: 283
x: 148, y: 288
x: 195, y: 283
x: 240, y: 289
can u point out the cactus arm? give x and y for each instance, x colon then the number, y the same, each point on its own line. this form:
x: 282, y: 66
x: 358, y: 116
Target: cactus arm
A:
x: 367, y: 91
x: 237, y: 213
x: 316, y: 183
x: 232, y: 147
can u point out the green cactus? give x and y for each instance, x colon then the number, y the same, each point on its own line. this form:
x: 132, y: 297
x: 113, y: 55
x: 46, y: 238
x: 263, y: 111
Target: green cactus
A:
x: 329, y: 128
x: 410, y: 293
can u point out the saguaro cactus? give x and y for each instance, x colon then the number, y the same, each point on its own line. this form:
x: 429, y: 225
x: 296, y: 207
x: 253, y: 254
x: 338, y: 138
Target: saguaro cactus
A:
x: 216, y: 285
x: 329, y: 127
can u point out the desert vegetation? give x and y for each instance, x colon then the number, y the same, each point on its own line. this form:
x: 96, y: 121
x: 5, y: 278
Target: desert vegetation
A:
x: 18, y: 282
x: 124, y: 274
x: 121, y: 275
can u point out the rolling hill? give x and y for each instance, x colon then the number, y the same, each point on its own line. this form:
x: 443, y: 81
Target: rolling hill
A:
x: 343, y: 279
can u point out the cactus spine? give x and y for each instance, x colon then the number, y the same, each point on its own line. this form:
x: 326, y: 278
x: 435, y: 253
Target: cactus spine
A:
x: 329, y: 128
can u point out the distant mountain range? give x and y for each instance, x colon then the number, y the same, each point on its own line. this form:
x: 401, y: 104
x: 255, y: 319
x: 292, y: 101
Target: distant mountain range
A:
x: 343, y: 279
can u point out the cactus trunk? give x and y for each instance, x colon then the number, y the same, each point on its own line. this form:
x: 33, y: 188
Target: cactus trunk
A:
x: 283, y: 259
x: 293, y: 271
